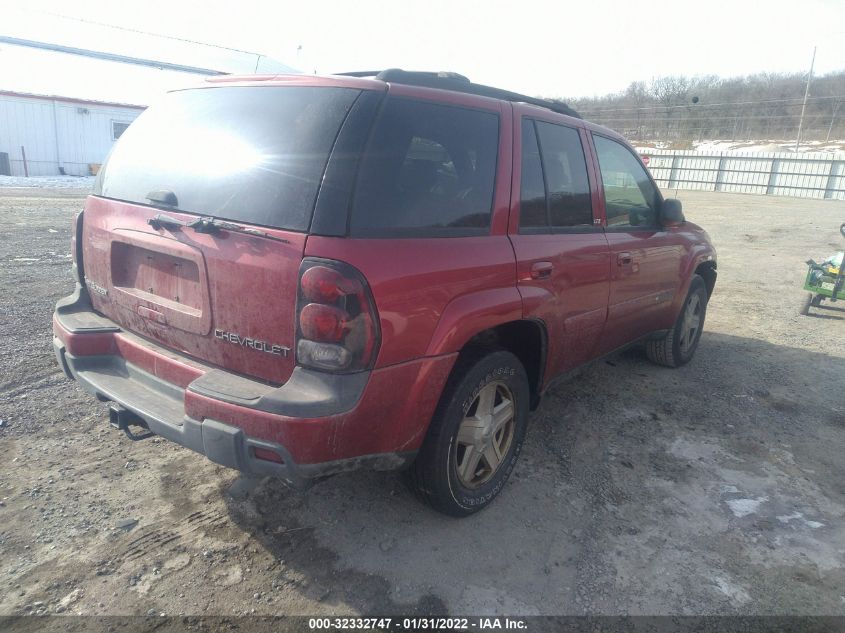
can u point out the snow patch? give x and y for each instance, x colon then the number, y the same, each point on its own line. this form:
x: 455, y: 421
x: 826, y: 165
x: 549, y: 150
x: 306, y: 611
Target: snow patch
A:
x: 797, y: 516
x: 717, y: 146
x: 744, y: 507
x: 48, y: 182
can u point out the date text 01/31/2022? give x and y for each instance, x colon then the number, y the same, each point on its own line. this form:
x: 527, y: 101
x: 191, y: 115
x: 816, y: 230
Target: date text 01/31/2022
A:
x: 416, y: 624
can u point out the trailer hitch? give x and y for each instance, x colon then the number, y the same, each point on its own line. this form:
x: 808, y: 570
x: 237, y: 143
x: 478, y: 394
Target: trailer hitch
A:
x: 122, y: 418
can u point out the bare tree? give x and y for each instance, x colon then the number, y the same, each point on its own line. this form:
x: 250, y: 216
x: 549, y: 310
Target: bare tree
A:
x: 637, y: 95
x: 756, y: 107
x: 670, y: 91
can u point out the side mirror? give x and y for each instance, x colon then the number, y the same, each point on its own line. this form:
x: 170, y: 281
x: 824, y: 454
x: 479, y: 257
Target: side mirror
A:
x: 671, y: 213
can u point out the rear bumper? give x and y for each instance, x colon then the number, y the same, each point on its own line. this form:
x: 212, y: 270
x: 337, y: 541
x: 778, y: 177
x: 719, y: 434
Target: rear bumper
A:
x: 316, y: 424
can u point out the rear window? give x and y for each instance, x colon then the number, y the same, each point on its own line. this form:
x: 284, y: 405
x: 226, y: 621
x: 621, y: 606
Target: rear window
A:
x: 249, y: 154
x: 428, y: 170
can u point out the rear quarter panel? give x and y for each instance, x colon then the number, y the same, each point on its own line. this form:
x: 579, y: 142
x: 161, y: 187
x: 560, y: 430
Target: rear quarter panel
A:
x: 433, y: 294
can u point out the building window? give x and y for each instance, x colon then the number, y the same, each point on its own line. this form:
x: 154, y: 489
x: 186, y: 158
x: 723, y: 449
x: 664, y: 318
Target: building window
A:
x: 118, y: 128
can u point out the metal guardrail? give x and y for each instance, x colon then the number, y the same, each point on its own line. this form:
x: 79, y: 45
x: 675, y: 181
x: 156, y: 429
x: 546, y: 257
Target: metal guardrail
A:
x: 812, y: 175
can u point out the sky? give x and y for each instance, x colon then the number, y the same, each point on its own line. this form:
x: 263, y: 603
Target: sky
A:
x: 550, y: 49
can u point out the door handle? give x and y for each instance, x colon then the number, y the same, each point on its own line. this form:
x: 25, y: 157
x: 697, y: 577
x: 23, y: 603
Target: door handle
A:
x: 624, y: 259
x: 541, y: 270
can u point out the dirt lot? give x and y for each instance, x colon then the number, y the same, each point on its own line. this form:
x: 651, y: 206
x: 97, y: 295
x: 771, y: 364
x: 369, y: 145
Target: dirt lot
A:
x: 716, y: 488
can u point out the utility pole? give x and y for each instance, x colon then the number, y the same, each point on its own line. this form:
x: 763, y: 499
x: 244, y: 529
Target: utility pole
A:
x: 806, y: 94
x: 832, y: 118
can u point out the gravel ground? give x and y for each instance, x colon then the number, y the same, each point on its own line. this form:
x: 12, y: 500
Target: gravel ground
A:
x: 713, y: 489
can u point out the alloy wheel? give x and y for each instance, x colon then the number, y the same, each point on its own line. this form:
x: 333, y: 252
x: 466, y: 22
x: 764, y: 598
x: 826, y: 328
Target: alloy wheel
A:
x: 691, y: 323
x: 485, y: 435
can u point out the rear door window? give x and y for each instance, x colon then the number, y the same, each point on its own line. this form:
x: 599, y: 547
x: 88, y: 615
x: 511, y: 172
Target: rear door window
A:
x: 566, y: 176
x: 428, y: 170
x: 555, y: 190
x: 249, y: 154
x: 532, y: 207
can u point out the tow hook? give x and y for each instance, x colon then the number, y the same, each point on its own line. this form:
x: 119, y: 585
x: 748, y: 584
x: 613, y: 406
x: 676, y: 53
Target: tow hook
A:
x: 122, y: 418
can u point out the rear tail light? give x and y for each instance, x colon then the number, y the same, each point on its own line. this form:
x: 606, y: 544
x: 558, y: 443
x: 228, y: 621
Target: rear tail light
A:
x: 323, y: 323
x: 337, y: 325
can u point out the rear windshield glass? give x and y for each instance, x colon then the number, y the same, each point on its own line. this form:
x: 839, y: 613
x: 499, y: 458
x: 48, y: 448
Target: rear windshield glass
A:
x: 249, y: 154
x: 429, y: 169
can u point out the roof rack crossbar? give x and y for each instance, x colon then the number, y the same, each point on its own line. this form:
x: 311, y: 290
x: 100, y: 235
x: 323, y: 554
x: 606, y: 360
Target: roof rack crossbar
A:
x: 459, y: 83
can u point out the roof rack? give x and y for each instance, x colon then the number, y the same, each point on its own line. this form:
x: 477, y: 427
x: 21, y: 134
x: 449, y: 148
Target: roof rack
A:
x: 458, y: 83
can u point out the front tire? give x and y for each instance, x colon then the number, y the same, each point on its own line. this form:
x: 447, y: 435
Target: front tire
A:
x: 475, y: 436
x: 678, y: 346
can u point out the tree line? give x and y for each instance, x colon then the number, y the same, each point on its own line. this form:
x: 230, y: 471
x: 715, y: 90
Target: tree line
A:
x: 756, y: 107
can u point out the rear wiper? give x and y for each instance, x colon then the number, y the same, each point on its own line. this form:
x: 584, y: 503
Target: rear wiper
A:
x: 161, y: 220
x: 208, y: 224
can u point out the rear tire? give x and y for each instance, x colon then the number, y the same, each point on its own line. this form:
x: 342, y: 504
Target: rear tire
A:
x: 678, y: 346
x: 475, y: 436
x: 805, y: 305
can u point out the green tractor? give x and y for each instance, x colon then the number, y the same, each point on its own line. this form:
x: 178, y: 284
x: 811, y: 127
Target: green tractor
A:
x: 825, y: 280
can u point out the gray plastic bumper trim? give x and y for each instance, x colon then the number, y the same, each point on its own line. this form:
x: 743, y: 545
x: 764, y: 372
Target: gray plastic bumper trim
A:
x: 161, y: 405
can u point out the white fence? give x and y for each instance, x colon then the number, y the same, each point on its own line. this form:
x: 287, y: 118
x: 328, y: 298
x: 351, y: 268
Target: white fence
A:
x: 813, y: 175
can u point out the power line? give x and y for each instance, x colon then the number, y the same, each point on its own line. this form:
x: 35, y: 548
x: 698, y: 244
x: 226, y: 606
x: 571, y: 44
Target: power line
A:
x: 697, y: 106
x: 755, y: 139
x: 727, y: 117
x: 139, y: 31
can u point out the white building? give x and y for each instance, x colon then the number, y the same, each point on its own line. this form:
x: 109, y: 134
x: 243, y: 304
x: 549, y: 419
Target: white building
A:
x: 47, y: 136
x: 52, y: 55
